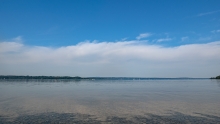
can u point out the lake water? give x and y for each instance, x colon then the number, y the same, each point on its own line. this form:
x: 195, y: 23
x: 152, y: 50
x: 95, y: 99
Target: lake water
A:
x: 110, y: 101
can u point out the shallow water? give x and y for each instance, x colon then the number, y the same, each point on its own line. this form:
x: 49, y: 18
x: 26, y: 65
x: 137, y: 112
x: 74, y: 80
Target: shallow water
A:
x: 110, y: 101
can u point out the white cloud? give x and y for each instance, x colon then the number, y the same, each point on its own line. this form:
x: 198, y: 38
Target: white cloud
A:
x: 143, y: 35
x: 17, y: 39
x: 215, y: 31
x: 10, y: 47
x: 205, y: 38
x: 122, y: 58
x: 208, y: 13
x: 123, y: 39
x: 184, y: 38
x: 164, y: 39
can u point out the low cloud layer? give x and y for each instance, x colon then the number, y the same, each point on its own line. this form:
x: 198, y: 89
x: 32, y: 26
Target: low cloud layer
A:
x: 122, y: 58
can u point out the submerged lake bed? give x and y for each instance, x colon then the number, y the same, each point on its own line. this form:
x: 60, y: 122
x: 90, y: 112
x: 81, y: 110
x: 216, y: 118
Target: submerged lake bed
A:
x: 110, y: 101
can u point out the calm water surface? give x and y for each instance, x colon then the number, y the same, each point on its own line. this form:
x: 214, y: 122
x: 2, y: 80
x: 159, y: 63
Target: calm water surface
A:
x: 110, y: 101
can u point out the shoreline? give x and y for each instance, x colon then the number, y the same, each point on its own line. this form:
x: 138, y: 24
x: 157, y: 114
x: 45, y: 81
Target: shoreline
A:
x: 15, y: 77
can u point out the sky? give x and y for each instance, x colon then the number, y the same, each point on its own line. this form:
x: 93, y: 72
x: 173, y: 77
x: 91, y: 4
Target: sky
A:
x: 110, y: 38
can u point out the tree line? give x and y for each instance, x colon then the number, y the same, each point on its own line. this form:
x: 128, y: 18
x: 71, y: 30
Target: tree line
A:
x: 217, y: 77
x: 37, y: 77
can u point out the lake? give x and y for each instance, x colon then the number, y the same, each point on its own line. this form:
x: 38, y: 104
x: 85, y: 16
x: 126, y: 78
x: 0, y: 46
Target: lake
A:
x: 110, y: 101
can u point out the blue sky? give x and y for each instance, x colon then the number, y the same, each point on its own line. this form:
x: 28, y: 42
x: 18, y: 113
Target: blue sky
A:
x: 56, y: 24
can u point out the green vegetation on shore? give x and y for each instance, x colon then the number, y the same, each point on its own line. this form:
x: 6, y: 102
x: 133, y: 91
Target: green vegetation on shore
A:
x: 38, y: 77
x: 16, y: 77
x: 217, y: 77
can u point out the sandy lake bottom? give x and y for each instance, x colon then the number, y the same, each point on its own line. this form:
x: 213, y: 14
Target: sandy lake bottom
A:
x: 110, y: 101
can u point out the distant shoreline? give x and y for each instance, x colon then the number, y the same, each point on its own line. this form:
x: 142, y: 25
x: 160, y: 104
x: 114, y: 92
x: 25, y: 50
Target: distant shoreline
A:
x: 15, y: 77
x: 37, y: 77
x: 217, y: 77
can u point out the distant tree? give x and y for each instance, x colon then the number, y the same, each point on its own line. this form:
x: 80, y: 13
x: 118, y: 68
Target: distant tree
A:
x: 77, y: 77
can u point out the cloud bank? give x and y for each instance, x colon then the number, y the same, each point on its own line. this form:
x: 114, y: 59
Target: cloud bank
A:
x: 122, y: 58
